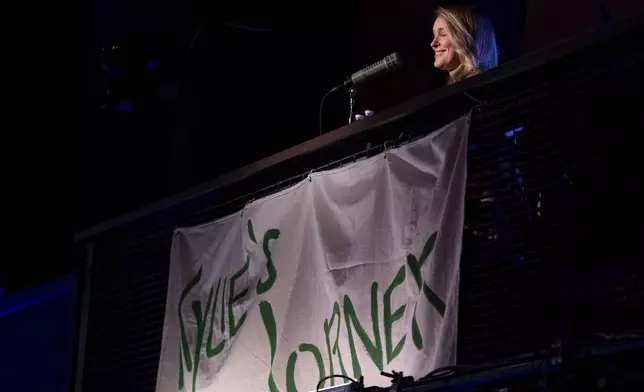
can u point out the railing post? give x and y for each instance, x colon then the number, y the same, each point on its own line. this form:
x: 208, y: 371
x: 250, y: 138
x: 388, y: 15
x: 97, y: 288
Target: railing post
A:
x: 83, y: 316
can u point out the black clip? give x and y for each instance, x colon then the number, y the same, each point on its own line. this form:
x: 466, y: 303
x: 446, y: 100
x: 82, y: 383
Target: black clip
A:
x: 398, y: 380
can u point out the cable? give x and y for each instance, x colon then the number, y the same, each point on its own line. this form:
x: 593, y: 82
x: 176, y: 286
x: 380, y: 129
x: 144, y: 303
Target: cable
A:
x: 194, y: 37
x: 336, y: 88
x: 443, y: 371
x: 323, y: 379
x: 247, y: 28
x: 473, y: 98
x: 450, y: 370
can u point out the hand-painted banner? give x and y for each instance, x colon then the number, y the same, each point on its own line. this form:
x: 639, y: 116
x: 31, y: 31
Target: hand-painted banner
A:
x: 352, y: 271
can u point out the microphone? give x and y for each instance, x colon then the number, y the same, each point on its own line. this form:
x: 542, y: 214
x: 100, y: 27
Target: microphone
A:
x: 389, y: 63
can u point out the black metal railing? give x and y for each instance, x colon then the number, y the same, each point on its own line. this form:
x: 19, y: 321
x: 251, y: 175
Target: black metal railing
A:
x: 552, y: 245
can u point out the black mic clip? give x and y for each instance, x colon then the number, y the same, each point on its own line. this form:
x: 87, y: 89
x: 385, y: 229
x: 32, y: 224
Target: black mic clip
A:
x: 398, y: 380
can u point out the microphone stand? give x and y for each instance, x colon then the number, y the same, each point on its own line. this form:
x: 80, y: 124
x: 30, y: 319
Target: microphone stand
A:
x: 352, y: 103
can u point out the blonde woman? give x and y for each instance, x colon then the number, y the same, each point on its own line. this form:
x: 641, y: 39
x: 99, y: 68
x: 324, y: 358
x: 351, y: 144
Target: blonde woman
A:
x: 464, y: 43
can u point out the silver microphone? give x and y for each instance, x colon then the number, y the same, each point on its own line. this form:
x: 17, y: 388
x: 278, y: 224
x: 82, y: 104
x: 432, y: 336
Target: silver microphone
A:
x: 389, y: 63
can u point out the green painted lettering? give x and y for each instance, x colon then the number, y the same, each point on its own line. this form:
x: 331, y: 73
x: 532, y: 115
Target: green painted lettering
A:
x: 184, y: 338
x: 264, y: 286
x: 268, y: 318
x: 200, y: 318
x: 315, y: 351
x: 234, y: 298
x: 181, y: 382
x: 335, y: 349
x: 290, y: 372
x: 266, y: 310
x: 223, y: 308
x: 390, y: 318
x: 434, y: 299
x: 374, y: 349
x: 251, y: 232
x: 210, y: 351
x: 292, y: 360
x: 415, y: 332
x: 415, y: 266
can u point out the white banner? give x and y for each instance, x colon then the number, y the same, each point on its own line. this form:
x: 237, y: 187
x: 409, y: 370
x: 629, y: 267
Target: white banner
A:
x: 352, y: 271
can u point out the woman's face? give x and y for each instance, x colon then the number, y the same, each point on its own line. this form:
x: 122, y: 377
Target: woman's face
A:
x: 445, y: 57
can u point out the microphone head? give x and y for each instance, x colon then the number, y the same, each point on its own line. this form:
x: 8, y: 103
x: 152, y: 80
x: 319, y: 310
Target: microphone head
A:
x: 393, y: 61
x: 389, y: 63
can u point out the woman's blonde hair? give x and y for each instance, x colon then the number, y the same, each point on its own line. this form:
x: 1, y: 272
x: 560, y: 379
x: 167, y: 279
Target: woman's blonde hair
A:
x: 473, y: 36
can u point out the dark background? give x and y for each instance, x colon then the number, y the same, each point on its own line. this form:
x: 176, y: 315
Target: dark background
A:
x: 38, y: 336
x: 163, y: 95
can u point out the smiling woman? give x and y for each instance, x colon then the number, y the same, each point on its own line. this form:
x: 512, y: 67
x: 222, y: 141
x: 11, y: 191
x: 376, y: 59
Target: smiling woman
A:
x: 464, y: 43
